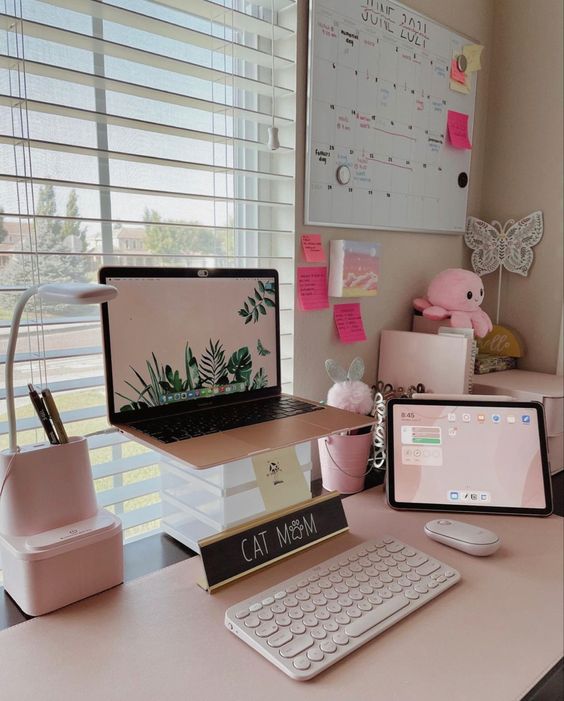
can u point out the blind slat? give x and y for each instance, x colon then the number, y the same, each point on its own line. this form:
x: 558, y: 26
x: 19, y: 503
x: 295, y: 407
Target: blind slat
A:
x: 130, y: 491
x: 118, y: 467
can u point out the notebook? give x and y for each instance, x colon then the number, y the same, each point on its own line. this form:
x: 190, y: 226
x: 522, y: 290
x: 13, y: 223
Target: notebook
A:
x: 443, y: 363
x: 190, y: 352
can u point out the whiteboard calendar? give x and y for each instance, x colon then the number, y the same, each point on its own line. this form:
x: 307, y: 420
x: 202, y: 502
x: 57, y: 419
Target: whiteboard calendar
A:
x: 379, y: 94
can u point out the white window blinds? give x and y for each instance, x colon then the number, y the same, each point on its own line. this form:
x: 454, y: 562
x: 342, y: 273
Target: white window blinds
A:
x: 134, y: 132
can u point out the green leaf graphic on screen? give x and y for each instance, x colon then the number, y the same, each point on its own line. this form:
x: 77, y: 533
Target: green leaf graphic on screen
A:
x: 213, y: 368
x: 260, y: 380
x: 261, y: 349
x: 241, y: 365
x: 257, y: 305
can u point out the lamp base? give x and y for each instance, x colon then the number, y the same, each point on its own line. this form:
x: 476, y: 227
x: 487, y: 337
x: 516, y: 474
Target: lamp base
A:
x: 49, y: 570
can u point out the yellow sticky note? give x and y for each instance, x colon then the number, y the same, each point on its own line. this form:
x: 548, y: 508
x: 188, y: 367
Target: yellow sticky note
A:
x: 473, y: 53
x: 464, y: 88
x: 280, y: 478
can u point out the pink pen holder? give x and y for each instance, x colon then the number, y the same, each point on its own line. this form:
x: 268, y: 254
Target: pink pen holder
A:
x: 47, y: 486
x: 56, y: 545
x: 344, y: 461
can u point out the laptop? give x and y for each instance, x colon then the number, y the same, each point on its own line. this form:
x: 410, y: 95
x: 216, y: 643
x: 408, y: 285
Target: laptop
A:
x: 192, y: 364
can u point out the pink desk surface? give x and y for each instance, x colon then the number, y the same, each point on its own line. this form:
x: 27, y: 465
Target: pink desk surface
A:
x: 492, y: 636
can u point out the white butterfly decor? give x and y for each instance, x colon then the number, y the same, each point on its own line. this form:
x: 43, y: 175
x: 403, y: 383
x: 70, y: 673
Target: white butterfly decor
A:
x: 510, y: 245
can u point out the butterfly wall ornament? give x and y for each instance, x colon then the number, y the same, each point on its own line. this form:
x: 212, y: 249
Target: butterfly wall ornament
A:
x: 510, y: 245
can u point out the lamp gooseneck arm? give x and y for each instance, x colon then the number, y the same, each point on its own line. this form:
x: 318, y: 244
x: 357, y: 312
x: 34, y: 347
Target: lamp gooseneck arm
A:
x: 10, y: 353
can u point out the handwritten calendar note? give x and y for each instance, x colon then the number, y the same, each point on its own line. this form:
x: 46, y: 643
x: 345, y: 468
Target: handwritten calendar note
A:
x: 380, y: 87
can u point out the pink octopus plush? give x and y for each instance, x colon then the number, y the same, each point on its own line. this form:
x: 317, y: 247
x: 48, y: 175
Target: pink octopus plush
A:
x: 456, y: 294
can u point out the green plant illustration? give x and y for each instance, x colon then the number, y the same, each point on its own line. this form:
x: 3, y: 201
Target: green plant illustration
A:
x: 260, y: 380
x: 257, y: 305
x: 211, y: 370
x: 262, y: 351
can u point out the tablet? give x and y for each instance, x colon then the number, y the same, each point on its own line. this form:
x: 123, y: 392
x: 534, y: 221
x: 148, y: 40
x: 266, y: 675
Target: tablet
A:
x: 468, y: 456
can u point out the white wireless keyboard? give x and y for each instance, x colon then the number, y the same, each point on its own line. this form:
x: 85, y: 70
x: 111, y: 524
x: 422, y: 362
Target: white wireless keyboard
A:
x: 311, y: 621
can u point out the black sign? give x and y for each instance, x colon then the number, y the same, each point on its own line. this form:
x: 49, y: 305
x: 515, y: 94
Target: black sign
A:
x: 241, y: 550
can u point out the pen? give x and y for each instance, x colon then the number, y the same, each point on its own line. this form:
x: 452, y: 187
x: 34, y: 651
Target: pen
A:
x: 43, y: 416
x: 54, y: 415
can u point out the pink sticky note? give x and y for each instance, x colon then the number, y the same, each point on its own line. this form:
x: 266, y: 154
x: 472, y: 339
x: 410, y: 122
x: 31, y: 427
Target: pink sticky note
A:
x: 312, y: 288
x: 457, y: 125
x: 349, y: 322
x: 313, y: 250
x: 456, y: 73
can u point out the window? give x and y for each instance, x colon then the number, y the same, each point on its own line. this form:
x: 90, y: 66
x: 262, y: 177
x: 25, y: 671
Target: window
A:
x: 134, y: 132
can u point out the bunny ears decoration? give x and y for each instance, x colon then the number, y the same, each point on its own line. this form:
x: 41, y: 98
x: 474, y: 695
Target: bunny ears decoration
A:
x: 337, y: 373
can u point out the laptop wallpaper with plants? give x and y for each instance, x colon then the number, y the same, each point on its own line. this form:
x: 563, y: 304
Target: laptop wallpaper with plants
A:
x: 176, y: 339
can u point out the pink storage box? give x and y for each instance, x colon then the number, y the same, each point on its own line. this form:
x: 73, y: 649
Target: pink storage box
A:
x: 51, y: 569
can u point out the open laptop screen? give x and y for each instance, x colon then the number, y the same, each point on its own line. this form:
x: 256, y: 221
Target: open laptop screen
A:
x: 468, y: 455
x: 187, y: 335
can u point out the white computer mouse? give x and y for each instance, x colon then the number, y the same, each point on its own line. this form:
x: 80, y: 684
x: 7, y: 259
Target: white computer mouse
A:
x: 463, y: 536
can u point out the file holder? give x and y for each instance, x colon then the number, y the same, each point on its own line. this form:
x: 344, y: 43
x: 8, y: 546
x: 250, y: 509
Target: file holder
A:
x: 56, y: 545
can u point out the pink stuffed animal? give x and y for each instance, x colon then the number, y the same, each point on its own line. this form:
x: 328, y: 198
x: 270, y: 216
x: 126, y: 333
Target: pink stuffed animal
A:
x: 456, y: 294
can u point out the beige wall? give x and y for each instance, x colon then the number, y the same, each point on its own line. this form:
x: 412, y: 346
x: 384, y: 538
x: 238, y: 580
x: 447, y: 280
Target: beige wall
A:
x: 408, y: 260
x: 523, y: 166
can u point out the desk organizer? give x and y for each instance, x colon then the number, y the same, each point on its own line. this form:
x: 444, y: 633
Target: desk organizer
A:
x: 56, y: 545
x: 201, y: 503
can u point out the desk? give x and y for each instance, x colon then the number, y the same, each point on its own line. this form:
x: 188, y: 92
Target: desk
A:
x: 493, y: 636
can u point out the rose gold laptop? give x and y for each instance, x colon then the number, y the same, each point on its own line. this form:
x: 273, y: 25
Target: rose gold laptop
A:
x: 192, y: 362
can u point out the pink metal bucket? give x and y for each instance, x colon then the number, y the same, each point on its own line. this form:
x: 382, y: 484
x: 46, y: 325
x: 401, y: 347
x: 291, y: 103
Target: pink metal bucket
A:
x: 344, y: 461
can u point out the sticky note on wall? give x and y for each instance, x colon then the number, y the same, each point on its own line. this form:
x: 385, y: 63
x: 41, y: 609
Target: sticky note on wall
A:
x: 348, y: 321
x: 312, y: 288
x: 313, y: 248
x: 473, y: 53
x: 457, y: 126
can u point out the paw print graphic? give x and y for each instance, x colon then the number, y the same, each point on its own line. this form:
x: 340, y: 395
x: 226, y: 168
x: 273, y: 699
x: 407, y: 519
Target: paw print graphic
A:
x: 296, y: 530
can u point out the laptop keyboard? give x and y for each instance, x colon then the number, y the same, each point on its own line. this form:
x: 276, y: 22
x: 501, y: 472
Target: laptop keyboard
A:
x: 204, y: 423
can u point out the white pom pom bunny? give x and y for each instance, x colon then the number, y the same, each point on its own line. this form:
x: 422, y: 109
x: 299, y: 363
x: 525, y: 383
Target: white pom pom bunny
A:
x: 349, y: 392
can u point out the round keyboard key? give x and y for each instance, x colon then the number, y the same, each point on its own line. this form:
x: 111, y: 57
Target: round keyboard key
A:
x: 366, y: 589
x: 395, y: 587
x: 413, y: 577
x: 289, y: 590
x: 297, y: 628
x: 290, y: 601
x: 318, y: 633
x: 343, y: 563
x: 342, y: 619
x: 309, y: 620
x: 390, y: 562
x: 449, y: 573
x: 335, y: 577
x: 345, y: 600
x: 313, y: 589
x: 283, y: 620
x: 315, y: 654
x: 313, y: 578
x: 280, y: 638
x: 322, y: 614
x: 371, y: 572
x: 242, y: 614
x: 385, y: 577
x: 345, y: 572
x: 252, y: 622
x: 398, y: 557
x: 331, y: 595
x: 331, y: 626
x: 394, y: 572
x: 404, y: 582
x: 381, y: 567
x: 341, y: 639
x: 280, y: 595
x: 432, y: 584
x: 356, y: 595
x: 302, y: 583
x: 410, y: 594
x: 421, y: 588
x: 404, y: 568
x: 333, y: 568
x: 387, y: 540
x: 408, y: 552
x: 295, y: 614
x: 325, y: 584
x: 277, y: 608
x: 385, y: 594
x: 302, y: 596
x: 394, y: 547
x: 323, y: 572
x: 353, y: 557
x: 341, y: 588
x: 255, y: 607
x: 371, y: 548
x: 319, y: 600
x: 375, y: 599
x: 383, y: 553
x: 376, y: 583
x: 266, y: 615
x: 364, y: 562
x: 353, y: 612
x: 364, y: 606
x: 355, y: 567
x: 352, y: 583
x: 301, y: 663
x: 361, y: 577
x: 269, y: 600
x: 266, y: 630
x: 334, y: 607
x: 361, y: 552
x: 328, y: 646
x: 374, y: 557
x: 307, y: 607
x: 441, y: 579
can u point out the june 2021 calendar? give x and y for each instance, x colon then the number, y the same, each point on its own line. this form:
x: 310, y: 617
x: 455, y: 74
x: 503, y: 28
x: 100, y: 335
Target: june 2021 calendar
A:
x: 379, y: 94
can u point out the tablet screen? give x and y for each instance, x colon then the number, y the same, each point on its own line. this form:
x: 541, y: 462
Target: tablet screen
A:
x: 468, y: 456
